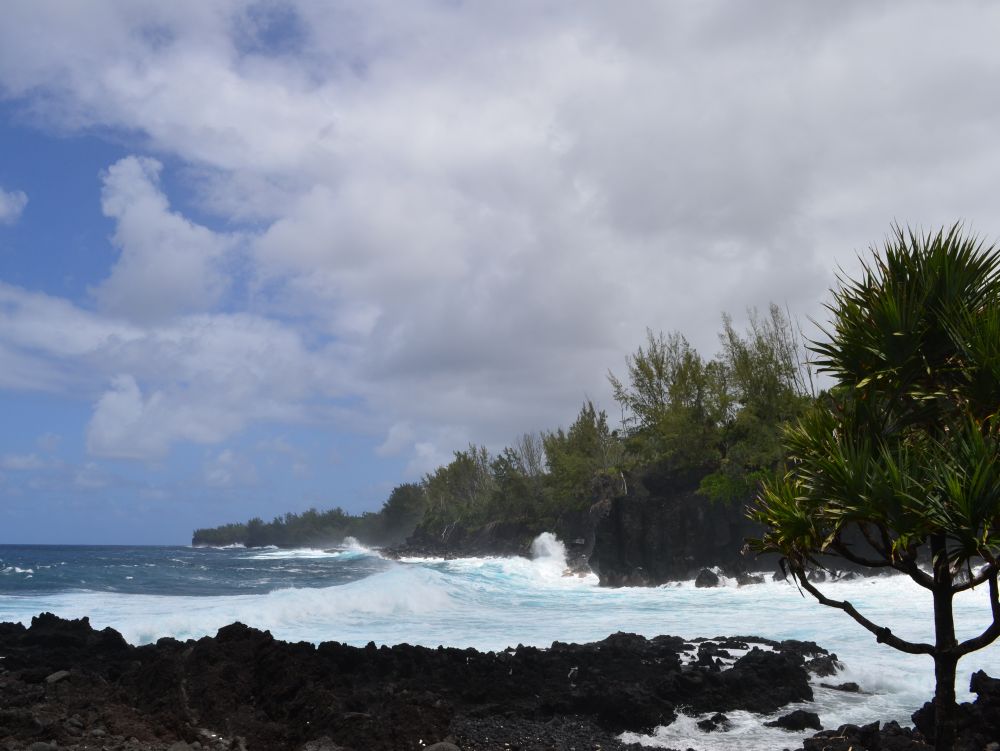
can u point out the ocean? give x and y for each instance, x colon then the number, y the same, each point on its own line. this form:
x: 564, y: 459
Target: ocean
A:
x: 353, y: 595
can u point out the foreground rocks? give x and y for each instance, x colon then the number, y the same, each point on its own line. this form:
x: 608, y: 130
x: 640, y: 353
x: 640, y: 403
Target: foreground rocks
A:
x: 64, y: 685
x: 978, y: 727
x: 978, y: 722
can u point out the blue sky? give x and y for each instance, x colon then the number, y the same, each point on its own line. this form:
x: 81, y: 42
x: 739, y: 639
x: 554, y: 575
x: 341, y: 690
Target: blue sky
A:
x: 260, y: 256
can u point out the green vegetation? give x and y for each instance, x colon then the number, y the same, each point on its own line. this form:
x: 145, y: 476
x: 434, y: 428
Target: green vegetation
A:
x: 900, y: 458
x: 393, y: 523
x: 719, y: 419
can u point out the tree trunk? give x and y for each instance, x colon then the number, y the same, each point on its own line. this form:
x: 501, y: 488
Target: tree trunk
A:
x: 944, y: 702
x: 945, y: 644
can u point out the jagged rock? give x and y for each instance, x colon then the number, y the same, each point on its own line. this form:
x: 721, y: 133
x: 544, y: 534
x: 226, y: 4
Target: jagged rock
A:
x: 978, y: 723
x: 718, y: 721
x: 745, y: 579
x: 245, y: 689
x: 706, y: 578
x: 800, y: 719
x: 871, y: 737
x: 850, y: 687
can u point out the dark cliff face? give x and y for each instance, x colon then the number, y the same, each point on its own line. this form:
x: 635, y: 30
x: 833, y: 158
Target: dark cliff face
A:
x: 664, y: 531
x: 660, y: 531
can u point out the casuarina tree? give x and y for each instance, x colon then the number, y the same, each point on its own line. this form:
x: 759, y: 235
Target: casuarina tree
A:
x: 897, y: 466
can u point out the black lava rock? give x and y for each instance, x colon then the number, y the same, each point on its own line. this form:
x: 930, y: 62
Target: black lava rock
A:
x: 797, y: 720
x: 706, y: 578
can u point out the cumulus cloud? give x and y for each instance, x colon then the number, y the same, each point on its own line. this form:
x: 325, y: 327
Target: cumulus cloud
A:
x: 21, y: 462
x: 90, y: 476
x: 399, y: 438
x: 195, y: 378
x: 461, y: 215
x: 168, y: 265
x: 12, y: 203
x: 228, y: 469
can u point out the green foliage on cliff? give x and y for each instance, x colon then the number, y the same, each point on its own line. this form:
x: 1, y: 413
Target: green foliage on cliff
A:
x: 720, y: 418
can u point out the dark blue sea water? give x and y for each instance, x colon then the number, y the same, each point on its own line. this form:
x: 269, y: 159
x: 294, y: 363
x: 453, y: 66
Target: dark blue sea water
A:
x: 353, y: 595
x: 44, y: 569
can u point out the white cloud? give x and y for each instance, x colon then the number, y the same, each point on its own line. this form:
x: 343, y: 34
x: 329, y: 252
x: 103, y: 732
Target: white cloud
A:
x: 90, y: 476
x: 399, y: 438
x: 482, y: 205
x: 12, y: 203
x: 168, y: 265
x: 197, y: 378
x: 21, y: 462
x: 228, y: 469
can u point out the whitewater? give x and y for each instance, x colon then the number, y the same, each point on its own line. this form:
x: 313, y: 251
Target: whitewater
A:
x: 353, y: 595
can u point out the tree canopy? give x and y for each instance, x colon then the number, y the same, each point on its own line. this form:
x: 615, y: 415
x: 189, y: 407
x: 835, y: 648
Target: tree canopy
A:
x: 898, y: 463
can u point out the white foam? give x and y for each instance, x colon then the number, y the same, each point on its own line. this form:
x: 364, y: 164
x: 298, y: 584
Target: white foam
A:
x: 745, y: 731
x: 548, y: 546
x: 283, y: 553
x: 373, y: 605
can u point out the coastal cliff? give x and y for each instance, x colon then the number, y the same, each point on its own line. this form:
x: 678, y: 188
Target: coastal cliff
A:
x: 661, y: 530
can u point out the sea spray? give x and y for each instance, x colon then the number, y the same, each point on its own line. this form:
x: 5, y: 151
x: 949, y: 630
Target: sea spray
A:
x: 547, y: 545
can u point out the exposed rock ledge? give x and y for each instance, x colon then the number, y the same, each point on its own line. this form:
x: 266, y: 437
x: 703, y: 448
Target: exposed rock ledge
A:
x: 67, y: 686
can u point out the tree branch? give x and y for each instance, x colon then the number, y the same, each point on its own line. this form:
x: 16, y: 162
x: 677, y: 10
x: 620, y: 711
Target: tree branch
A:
x: 907, y: 566
x: 866, y: 533
x: 845, y: 552
x: 981, y: 578
x: 911, y: 568
x: 882, y: 634
x: 993, y: 630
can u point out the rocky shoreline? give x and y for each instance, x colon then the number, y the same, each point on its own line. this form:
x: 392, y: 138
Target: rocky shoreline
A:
x: 65, y: 685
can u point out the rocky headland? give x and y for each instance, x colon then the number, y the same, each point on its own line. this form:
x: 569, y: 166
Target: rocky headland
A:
x: 661, y: 530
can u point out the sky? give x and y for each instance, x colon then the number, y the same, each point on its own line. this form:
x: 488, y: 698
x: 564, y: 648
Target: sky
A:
x: 262, y: 256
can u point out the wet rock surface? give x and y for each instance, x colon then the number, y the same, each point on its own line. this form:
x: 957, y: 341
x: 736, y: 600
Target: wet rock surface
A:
x: 978, y: 722
x: 800, y: 719
x: 873, y: 737
x: 978, y: 727
x: 244, y: 690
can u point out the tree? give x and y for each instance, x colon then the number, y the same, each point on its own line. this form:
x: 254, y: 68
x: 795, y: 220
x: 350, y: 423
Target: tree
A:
x: 673, y: 402
x: 898, y: 464
x: 578, y: 456
x: 462, y: 489
x: 767, y: 386
x: 403, y: 509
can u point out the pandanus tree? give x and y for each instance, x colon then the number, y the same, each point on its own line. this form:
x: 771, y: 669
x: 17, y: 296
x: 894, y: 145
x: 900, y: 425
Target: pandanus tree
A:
x: 897, y: 466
